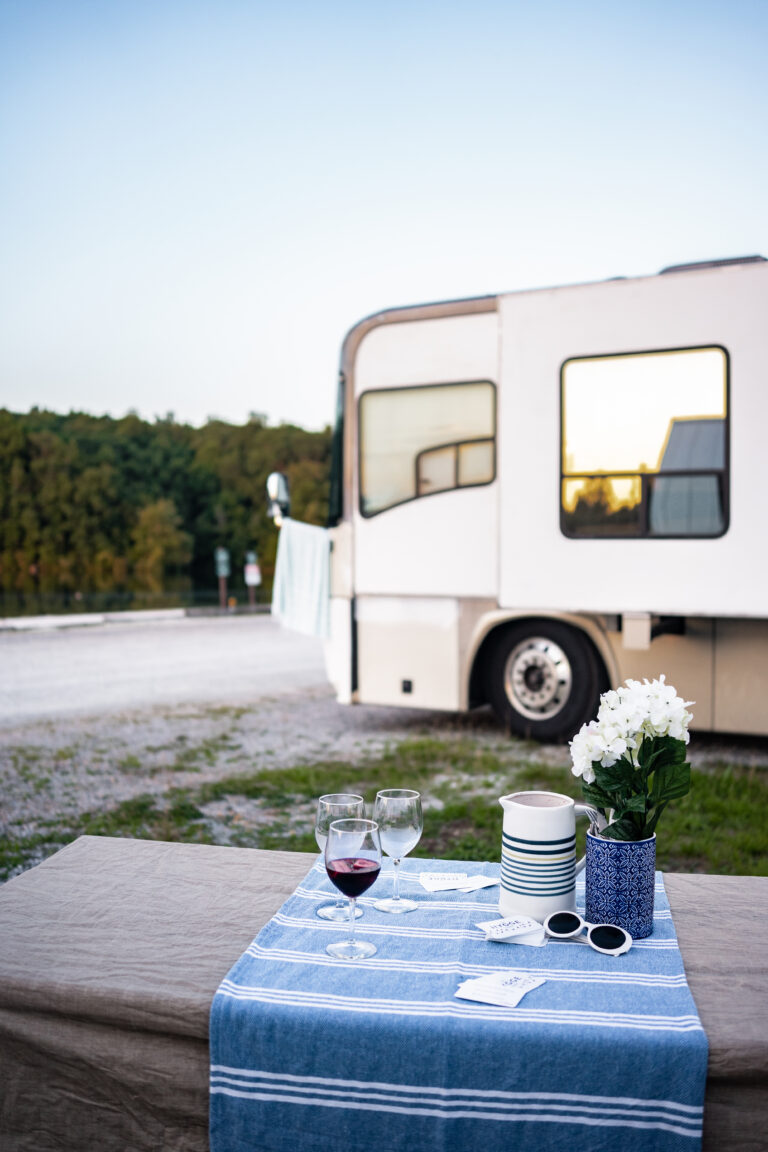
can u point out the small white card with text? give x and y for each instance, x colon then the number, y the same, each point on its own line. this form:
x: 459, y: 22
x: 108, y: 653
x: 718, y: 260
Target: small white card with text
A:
x: 454, y: 882
x: 504, y: 989
x: 442, y: 881
x: 473, y: 883
x: 514, y: 930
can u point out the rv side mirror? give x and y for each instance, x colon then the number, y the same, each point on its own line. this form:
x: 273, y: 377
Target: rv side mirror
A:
x: 278, y: 497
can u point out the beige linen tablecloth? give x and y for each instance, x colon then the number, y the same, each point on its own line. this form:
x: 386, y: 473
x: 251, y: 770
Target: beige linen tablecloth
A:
x: 111, y: 951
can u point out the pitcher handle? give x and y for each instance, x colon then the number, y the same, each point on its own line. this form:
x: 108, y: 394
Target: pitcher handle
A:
x: 596, y: 821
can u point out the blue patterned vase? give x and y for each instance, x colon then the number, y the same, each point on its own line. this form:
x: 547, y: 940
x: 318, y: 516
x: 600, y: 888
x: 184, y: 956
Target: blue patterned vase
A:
x: 620, y: 881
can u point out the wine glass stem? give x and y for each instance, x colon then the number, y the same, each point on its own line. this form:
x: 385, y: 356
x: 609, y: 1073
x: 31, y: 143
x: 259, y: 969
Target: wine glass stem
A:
x: 351, y: 918
x: 396, y: 870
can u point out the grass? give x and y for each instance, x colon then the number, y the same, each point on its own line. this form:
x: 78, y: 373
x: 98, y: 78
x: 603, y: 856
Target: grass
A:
x: 189, y: 758
x: 720, y: 827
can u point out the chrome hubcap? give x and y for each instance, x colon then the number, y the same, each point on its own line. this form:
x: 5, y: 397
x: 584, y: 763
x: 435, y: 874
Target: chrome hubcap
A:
x: 537, y: 678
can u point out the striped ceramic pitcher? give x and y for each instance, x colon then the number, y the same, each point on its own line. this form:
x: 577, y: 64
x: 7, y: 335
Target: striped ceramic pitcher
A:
x: 538, y: 853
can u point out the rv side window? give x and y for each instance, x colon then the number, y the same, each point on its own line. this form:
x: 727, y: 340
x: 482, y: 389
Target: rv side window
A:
x: 645, y: 444
x: 423, y: 440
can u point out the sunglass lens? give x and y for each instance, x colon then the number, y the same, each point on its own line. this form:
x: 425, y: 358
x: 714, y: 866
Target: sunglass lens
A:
x: 563, y: 922
x: 607, y: 937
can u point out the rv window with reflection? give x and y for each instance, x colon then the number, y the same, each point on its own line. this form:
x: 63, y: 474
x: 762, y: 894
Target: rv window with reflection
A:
x: 644, y: 444
x: 423, y: 440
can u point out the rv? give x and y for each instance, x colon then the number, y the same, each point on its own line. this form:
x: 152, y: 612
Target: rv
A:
x: 541, y: 493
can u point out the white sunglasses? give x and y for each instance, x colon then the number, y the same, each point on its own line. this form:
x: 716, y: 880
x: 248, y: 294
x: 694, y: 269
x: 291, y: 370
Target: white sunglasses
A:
x: 605, y: 938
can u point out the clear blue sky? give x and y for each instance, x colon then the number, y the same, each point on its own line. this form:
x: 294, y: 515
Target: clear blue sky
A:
x: 197, y: 200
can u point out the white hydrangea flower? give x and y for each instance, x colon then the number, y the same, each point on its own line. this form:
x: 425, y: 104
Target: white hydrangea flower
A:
x: 626, y: 715
x: 586, y: 747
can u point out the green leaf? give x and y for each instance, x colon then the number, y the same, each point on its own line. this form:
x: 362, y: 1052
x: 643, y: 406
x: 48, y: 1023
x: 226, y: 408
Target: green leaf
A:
x: 620, y: 830
x: 594, y: 795
x: 671, y: 782
x: 644, y: 752
x: 664, y: 748
x: 653, y: 819
x: 633, y: 804
x: 618, y: 778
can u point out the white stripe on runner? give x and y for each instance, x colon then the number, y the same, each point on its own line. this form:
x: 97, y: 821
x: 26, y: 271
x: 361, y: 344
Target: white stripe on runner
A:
x: 437, y: 967
x: 434, y: 933
x: 429, y: 903
x: 448, y: 1108
x: 439, y: 1090
x: 532, y: 1100
x: 459, y: 1009
x: 645, y: 1110
x: 537, y: 1116
x: 413, y: 865
x: 426, y: 905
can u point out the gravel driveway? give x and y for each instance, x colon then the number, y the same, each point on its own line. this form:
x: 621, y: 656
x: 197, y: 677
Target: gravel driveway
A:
x: 77, y: 763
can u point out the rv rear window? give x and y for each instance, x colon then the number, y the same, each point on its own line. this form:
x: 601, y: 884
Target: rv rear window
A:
x: 644, y: 449
x: 423, y: 440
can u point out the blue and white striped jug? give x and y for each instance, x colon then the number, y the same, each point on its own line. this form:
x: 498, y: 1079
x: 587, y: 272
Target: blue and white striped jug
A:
x: 538, y: 853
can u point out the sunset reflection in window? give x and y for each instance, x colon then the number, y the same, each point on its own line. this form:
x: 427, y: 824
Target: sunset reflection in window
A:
x: 644, y: 444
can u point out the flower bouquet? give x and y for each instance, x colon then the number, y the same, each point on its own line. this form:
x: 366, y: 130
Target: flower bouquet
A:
x: 632, y: 757
x: 632, y: 763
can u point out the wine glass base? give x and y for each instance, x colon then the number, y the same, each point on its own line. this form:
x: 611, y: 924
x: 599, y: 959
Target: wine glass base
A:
x: 392, y: 905
x: 351, y: 949
x: 337, y: 912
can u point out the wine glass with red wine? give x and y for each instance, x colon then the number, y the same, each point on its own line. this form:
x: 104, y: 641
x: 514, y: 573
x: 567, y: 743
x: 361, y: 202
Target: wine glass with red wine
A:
x: 352, y: 861
x: 336, y: 806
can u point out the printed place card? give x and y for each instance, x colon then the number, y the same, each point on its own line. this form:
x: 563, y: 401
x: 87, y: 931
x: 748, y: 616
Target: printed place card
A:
x: 454, y: 882
x: 503, y: 989
x: 473, y: 883
x: 442, y: 881
x: 514, y: 930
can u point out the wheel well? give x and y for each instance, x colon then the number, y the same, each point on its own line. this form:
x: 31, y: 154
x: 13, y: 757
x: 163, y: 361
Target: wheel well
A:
x: 479, y: 677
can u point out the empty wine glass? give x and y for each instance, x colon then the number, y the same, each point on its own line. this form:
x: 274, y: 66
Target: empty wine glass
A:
x: 353, y: 861
x: 336, y: 806
x: 397, y: 811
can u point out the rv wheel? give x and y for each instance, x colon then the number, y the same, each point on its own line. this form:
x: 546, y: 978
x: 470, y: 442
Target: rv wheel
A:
x: 544, y: 679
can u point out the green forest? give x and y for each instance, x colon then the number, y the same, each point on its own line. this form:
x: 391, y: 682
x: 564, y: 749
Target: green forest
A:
x: 98, y: 513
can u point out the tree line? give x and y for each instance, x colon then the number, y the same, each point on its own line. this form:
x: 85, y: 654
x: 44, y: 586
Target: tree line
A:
x: 130, y: 510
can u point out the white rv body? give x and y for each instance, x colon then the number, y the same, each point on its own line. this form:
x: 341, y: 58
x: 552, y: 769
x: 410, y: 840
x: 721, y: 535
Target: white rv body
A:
x: 423, y: 592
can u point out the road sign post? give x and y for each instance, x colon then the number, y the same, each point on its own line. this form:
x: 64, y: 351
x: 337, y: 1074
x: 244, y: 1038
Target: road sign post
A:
x: 221, y: 556
x: 252, y: 576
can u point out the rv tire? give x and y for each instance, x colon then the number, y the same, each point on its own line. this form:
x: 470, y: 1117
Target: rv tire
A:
x: 544, y: 679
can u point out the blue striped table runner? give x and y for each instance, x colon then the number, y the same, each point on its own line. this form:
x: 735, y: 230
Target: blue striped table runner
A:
x: 311, y: 1053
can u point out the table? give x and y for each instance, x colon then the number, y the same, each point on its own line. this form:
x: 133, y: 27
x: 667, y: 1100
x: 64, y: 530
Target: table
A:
x: 111, y: 951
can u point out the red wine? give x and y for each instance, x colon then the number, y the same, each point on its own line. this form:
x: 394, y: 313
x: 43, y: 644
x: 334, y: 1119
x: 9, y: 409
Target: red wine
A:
x: 353, y: 876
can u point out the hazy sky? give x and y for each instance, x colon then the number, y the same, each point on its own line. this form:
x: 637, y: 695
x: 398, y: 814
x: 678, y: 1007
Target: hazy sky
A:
x: 197, y: 200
